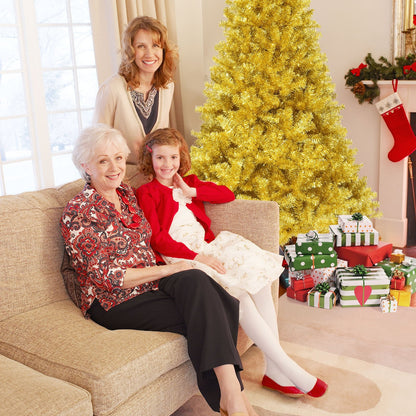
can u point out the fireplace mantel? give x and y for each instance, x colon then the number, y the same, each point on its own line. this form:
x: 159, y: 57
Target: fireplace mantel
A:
x: 392, y: 188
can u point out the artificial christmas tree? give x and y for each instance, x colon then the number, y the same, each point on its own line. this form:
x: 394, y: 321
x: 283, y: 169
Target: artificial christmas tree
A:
x: 271, y: 127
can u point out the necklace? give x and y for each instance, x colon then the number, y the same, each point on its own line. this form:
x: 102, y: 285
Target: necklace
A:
x: 135, y: 223
x: 144, y: 106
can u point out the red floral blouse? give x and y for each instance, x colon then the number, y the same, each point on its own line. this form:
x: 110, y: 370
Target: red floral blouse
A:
x: 101, y: 245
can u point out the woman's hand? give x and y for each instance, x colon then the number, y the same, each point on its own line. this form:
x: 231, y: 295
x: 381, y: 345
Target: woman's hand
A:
x: 178, y: 182
x: 137, y: 276
x: 211, y: 262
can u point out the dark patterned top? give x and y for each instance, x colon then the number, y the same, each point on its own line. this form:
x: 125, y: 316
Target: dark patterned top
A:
x: 101, y: 248
x: 147, y: 110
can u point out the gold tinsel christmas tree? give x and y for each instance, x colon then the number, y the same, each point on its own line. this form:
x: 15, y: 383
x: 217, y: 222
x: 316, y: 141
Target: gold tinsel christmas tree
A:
x: 271, y: 127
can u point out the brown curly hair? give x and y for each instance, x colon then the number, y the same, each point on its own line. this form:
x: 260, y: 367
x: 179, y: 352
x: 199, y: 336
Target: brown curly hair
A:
x: 128, y: 67
x: 169, y: 137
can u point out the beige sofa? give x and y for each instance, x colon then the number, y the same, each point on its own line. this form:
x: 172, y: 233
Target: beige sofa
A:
x: 55, y: 362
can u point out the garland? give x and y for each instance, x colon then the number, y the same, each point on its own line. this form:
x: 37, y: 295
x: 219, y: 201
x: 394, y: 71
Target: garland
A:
x: 404, y: 68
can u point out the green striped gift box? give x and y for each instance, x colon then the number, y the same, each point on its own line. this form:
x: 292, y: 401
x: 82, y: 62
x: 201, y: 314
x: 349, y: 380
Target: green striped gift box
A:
x: 361, y: 290
x: 342, y: 239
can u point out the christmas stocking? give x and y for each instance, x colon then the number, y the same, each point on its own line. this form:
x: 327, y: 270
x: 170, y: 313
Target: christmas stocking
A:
x: 392, y: 111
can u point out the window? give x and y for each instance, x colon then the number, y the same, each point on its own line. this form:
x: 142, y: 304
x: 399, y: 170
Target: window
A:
x: 48, y: 84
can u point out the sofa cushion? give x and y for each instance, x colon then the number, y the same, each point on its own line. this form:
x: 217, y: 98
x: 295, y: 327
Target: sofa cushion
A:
x: 25, y: 391
x: 32, y: 249
x: 112, y: 365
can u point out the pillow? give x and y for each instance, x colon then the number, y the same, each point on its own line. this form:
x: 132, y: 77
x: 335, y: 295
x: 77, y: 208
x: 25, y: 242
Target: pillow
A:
x: 70, y: 280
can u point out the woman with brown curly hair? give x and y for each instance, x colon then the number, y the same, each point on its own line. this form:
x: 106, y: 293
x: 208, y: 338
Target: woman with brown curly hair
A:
x: 138, y: 98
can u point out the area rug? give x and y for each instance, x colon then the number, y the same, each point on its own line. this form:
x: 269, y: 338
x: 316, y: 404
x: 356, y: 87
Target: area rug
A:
x: 367, y: 358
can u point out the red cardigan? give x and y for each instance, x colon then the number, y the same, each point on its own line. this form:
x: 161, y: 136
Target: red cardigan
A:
x: 158, y: 206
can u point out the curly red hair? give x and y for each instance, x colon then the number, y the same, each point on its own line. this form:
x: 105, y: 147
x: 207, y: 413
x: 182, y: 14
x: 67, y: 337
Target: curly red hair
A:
x: 169, y: 137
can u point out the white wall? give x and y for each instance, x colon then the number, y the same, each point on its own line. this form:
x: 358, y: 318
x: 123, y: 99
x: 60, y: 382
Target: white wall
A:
x: 349, y: 31
x: 348, y: 34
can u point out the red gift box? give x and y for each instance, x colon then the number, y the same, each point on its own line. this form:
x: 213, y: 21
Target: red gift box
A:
x: 365, y: 255
x: 300, y: 284
x: 397, y: 283
x: 299, y: 295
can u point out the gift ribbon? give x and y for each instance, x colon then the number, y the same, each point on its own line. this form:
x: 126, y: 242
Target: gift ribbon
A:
x: 357, y: 217
x: 362, y: 303
x: 312, y: 235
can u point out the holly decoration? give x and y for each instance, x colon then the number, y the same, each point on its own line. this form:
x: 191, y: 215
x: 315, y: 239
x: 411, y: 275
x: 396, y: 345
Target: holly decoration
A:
x: 403, y: 68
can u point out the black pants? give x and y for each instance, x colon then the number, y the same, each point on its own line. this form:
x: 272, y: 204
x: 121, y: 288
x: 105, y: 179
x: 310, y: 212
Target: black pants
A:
x: 189, y: 303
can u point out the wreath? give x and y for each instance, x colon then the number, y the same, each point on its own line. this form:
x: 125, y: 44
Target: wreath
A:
x: 404, y: 68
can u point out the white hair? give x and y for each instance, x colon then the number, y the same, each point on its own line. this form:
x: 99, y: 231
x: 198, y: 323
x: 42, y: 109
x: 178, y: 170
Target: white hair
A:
x: 89, y: 139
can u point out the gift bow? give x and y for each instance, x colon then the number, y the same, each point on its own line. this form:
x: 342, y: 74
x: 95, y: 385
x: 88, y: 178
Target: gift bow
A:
x: 359, y: 270
x: 322, y: 287
x: 357, y: 71
x: 312, y: 235
x: 299, y: 276
x: 357, y: 216
x: 398, y: 274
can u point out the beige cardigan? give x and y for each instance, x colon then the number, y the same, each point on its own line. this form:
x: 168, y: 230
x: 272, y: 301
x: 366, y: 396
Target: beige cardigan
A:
x: 114, y: 107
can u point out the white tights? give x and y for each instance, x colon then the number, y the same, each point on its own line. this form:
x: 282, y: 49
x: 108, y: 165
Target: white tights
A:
x: 258, y: 319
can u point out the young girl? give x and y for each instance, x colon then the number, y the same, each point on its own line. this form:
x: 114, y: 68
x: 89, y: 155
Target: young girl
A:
x: 174, y: 206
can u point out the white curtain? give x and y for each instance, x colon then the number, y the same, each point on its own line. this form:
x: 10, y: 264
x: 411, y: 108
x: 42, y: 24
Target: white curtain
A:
x: 109, y: 18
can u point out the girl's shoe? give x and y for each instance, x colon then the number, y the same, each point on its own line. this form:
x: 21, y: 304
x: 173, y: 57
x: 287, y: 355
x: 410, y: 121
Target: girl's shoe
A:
x: 290, y: 391
x: 319, y: 389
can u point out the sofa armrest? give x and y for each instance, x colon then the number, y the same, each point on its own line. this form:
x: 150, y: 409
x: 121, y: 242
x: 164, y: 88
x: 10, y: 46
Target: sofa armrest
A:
x: 258, y: 221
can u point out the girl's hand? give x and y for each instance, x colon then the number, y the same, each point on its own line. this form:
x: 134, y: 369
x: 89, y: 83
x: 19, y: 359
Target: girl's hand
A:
x: 178, y: 182
x: 211, y: 262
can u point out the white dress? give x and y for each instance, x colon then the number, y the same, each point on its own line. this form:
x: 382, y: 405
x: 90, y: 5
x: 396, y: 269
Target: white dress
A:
x: 249, y: 268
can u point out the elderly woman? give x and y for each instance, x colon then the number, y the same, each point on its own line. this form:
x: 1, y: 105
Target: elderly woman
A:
x: 108, y: 240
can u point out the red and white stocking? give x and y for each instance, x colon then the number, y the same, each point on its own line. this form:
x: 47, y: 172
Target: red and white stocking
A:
x: 392, y: 111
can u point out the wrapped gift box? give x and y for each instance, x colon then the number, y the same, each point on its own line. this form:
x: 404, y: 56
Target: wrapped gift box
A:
x: 397, y: 283
x: 299, y: 295
x: 314, y: 243
x: 326, y: 274
x: 342, y: 239
x: 366, y: 255
x: 308, y: 261
x: 403, y: 297
x: 349, y: 225
x: 388, y: 304
x: 322, y: 300
x: 397, y: 256
x: 361, y: 290
x: 301, y: 281
x: 408, y: 267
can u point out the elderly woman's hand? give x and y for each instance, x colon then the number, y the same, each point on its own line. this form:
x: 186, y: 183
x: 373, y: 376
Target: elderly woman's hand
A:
x: 138, y: 276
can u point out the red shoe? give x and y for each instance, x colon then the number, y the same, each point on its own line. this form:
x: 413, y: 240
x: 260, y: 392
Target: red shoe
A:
x: 291, y: 391
x: 319, y: 389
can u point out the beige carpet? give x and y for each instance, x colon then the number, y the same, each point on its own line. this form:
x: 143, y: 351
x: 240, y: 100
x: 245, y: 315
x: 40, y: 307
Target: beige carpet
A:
x: 367, y: 358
